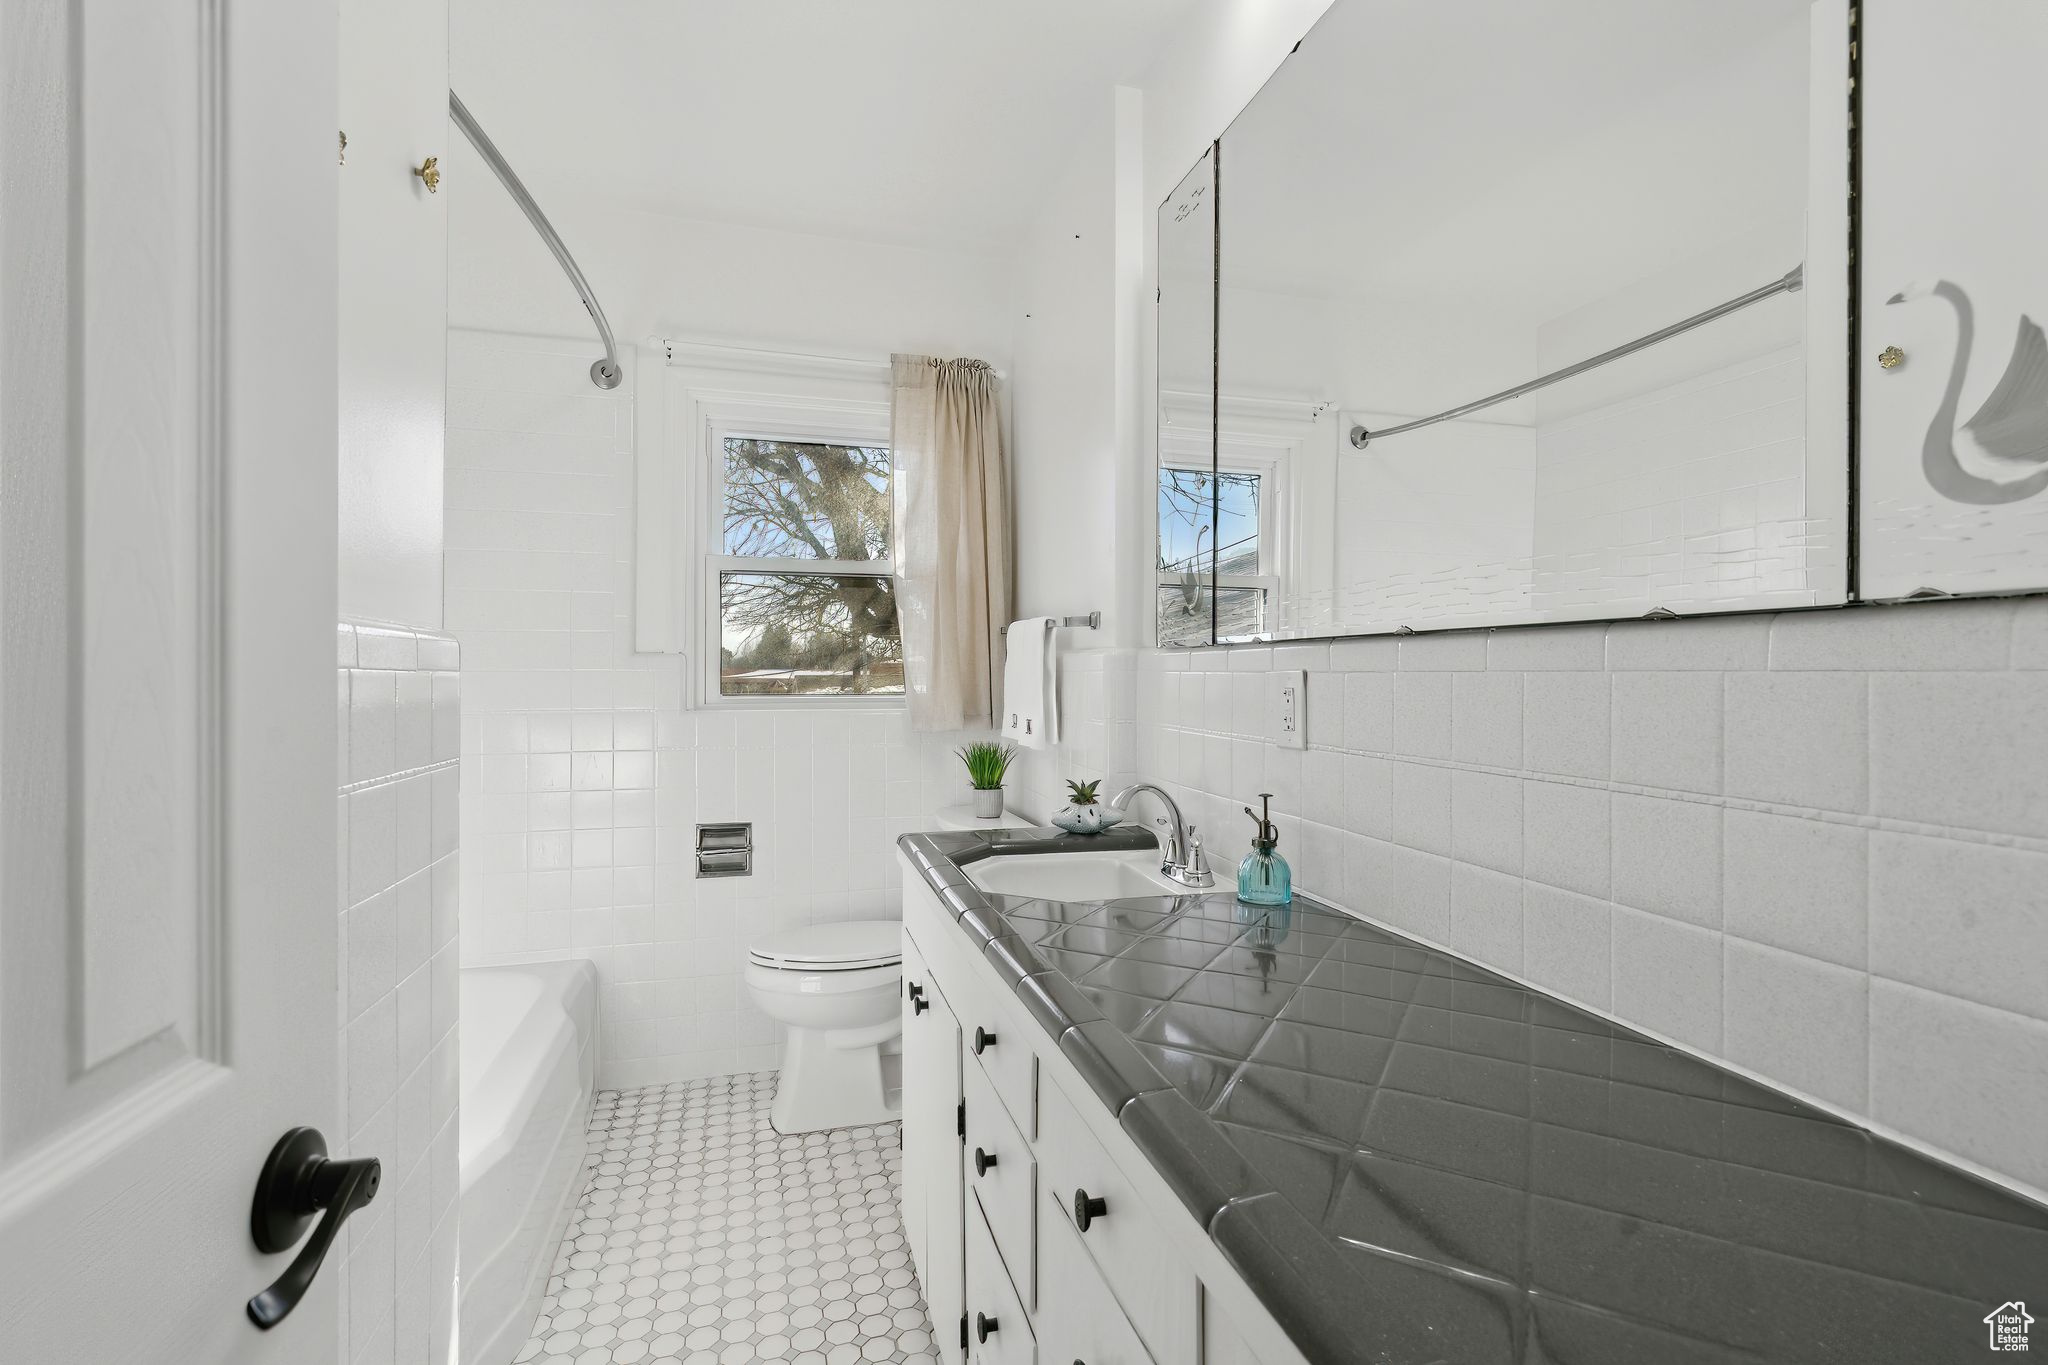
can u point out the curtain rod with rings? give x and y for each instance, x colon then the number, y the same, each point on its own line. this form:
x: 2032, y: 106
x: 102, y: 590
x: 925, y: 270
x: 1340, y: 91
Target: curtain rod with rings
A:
x: 603, y: 373
x: 1788, y: 283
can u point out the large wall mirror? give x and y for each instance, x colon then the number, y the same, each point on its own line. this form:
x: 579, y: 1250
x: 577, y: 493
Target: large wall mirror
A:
x: 1501, y: 313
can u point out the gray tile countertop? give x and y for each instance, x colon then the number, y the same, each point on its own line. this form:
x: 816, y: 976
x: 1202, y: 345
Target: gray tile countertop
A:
x: 1410, y: 1159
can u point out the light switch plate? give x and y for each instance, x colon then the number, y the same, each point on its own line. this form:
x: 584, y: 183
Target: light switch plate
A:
x: 1287, y: 708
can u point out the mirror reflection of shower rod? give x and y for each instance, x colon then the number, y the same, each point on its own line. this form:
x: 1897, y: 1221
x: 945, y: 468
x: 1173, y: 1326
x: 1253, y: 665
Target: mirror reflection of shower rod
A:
x: 1788, y: 283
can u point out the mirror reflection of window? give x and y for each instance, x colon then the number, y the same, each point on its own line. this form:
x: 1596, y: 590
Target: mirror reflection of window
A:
x: 1233, y: 503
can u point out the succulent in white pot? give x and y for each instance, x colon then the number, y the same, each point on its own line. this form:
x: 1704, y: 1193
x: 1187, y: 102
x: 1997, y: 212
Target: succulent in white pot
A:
x: 1083, y: 813
x: 987, y: 763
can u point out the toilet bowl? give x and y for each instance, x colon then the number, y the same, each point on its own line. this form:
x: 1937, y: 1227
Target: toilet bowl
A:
x: 834, y: 989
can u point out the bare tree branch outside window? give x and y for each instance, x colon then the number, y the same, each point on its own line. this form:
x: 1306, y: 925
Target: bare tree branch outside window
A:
x: 805, y: 631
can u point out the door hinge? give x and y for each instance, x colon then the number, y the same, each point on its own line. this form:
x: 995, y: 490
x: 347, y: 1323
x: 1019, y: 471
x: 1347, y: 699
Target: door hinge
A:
x: 963, y: 1331
x: 960, y: 1121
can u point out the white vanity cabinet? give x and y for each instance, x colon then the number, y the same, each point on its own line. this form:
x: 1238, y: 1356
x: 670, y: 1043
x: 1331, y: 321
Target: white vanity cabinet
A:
x: 1010, y: 1275
x: 932, y: 1192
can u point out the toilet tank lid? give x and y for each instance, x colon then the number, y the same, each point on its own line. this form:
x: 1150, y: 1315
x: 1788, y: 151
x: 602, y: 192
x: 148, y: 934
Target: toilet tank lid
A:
x: 853, y: 943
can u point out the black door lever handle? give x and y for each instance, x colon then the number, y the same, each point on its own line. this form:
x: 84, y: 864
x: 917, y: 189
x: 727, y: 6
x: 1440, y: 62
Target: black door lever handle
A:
x: 298, y: 1181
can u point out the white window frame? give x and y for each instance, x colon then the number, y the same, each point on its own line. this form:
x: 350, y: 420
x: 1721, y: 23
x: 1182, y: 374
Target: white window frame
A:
x: 692, y: 396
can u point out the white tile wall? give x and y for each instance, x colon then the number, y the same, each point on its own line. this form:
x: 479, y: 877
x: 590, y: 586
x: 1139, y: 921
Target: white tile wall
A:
x: 398, y: 734
x: 1814, y: 845
x: 1696, y: 491
x: 586, y: 778
x: 1098, y: 732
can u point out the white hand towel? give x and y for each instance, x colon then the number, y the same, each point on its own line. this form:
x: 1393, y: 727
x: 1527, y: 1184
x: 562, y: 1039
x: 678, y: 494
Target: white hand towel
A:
x: 1031, y: 684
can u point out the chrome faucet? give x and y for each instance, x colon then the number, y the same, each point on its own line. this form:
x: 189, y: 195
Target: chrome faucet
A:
x: 1182, y: 860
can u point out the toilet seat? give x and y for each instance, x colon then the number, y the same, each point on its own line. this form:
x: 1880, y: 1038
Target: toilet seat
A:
x: 855, y: 945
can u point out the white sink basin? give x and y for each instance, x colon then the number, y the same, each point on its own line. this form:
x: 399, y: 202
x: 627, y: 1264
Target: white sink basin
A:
x: 1074, y: 876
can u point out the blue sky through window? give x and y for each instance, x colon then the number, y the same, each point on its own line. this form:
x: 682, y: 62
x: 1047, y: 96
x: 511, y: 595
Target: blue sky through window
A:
x: 1185, y: 512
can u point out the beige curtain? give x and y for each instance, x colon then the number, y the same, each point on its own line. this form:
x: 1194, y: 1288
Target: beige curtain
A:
x: 955, y: 567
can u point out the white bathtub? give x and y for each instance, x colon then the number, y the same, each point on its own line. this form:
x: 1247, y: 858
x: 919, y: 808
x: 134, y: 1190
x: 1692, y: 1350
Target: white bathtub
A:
x: 529, y: 1067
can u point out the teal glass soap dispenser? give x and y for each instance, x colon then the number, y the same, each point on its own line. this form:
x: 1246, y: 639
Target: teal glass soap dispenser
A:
x: 1263, y: 877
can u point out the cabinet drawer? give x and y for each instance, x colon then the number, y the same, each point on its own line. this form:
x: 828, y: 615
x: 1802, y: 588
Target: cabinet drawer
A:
x: 998, y: 1332
x: 1003, y: 1176
x: 1078, y: 1318
x: 1002, y: 1048
x: 1160, y: 1296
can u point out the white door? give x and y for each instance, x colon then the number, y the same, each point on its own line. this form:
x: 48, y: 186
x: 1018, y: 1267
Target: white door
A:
x: 167, y: 598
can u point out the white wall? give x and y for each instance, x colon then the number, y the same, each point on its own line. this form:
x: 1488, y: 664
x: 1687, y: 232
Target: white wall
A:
x: 397, y: 726
x: 584, y: 777
x: 397, y: 841
x: 1063, y: 395
x: 1207, y: 73
x: 657, y: 274
x: 393, y: 309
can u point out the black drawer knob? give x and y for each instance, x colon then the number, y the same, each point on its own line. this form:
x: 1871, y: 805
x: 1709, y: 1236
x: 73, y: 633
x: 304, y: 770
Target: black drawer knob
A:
x: 982, y: 1161
x: 916, y: 991
x: 983, y: 1327
x: 983, y: 1040
x: 1088, y: 1208
x: 918, y: 1004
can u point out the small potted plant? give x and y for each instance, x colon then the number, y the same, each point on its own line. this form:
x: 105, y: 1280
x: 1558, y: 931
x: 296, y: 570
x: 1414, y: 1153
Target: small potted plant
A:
x: 1083, y: 814
x: 987, y: 762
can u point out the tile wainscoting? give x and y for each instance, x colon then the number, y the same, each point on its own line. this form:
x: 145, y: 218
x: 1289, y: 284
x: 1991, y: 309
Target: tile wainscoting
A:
x: 1811, y: 845
x: 397, y: 726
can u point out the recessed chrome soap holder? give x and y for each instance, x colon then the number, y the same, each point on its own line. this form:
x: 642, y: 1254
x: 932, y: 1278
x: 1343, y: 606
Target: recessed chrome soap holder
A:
x: 726, y: 850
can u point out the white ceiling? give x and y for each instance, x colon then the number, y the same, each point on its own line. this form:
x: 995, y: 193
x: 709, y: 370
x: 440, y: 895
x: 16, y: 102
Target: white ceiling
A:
x: 924, y: 122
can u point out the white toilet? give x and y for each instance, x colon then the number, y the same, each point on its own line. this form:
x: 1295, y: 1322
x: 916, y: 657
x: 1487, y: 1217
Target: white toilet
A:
x: 834, y: 988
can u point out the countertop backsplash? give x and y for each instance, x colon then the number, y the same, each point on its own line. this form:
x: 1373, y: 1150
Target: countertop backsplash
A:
x: 1813, y: 845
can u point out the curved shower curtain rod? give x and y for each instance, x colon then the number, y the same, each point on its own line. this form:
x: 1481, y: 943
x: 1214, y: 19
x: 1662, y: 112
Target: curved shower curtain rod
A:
x: 603, y: 373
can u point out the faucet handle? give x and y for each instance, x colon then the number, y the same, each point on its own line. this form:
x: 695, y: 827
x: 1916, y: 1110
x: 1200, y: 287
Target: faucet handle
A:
x: 1197, y: 862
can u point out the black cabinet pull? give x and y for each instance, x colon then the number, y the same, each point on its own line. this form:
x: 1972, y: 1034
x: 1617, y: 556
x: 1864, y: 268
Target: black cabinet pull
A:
x: 983, y: 1328
x: 982, y: 1161
x: 918, y: 1004
x: 297, y: 1182
x: 916, y: 991
x: 1087, y: 1210
x: 982, y: 1039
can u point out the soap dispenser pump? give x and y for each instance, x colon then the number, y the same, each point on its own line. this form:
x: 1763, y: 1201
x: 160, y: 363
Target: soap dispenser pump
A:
x: 1263, y: 877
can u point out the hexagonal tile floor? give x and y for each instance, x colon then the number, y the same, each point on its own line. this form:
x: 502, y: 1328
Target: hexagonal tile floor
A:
x: 704, y: 1237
